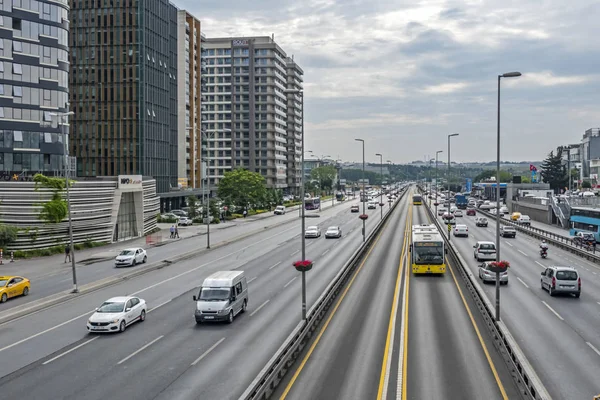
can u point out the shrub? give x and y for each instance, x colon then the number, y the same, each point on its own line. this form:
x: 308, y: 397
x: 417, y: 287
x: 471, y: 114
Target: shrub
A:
x: 60, y: 249
x: 216, y: 221
x: 162, y: 220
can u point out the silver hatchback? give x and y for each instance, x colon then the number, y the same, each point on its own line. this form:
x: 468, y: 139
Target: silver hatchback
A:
x: 561, y: 280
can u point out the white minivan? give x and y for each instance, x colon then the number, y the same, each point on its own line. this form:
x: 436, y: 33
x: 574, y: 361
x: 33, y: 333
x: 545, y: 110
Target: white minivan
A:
x: 222, y: 296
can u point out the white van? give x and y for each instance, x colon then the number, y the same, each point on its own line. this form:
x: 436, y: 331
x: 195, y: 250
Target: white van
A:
x: 222, y: 296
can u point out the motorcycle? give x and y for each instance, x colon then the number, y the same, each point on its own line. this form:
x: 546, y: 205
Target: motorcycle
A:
x: 544, y: 253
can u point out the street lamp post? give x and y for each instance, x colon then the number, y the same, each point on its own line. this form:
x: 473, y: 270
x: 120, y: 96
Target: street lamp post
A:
x: 381, y: 191
x: 430, y: 181
x: 448, y: 177
x: 363, y: 196
x: 506, y: 75
x: 436, y: 179
x: 67, y: 184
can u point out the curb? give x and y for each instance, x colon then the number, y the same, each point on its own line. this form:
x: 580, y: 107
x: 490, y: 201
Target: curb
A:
x: 65, y: 296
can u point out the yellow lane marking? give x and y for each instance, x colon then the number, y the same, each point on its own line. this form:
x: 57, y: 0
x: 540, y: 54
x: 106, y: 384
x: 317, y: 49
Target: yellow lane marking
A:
x: 324, y: 328
x: 394, y: 310
x: 405, y: 352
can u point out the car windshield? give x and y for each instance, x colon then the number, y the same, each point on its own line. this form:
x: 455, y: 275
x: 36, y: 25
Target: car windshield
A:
x: 312, y: 228
x: 111, y: 307
x: 214, y: 294
x: 332, y: 228
x: 428, y: 253
x: 566, y: 275
x: 3, y: 282
x: 487, y: 246
x: 509, y: 228
x: 126, y: 253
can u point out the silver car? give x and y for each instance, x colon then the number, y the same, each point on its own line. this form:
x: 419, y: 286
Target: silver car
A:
x: 488, y: 276
x: 312, y: 232
x: 561, y: 280
x: 333, y: 232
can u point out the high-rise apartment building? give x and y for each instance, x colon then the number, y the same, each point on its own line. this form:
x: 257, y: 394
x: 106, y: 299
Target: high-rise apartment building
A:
x: 245, y: 113
x: 294, y: 125
x: 123, y: 89
x: 34, y: 86
x: 189, y: 113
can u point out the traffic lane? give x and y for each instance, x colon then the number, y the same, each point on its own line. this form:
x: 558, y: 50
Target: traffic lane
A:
x: 347, y: 359
x: 557, y: 350
x: 445, y: 355
x: 170, y: 335
x: 56, y: 282
x: 156, y: 287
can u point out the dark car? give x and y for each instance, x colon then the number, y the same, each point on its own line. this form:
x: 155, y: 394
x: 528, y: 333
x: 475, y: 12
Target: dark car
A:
x: 508, y: 231
x: 354, y: 209
x: 471, y: 211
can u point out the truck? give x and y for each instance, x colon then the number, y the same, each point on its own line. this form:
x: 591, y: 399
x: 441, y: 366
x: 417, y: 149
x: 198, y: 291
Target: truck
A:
x: 461, y: 201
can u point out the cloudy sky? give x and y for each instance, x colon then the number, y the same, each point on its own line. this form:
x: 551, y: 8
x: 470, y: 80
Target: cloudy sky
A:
x: 404, y: 74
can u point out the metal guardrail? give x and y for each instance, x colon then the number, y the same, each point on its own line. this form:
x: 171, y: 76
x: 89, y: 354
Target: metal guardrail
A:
x: 560, y: 241
x: 271, y: 375
x: 523, y: 374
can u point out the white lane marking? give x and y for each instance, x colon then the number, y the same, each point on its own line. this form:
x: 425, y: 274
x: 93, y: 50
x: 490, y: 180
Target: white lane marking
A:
x: 296, y: 252
x: 68, y: 351
x: 259, y: 307
x: 551, y: 309
x: 45, y: 331
x: 509, y: 244
x: 524, y: 284
x: 288, y: 284
x: 273, y: 266
x: 593, y: 348
x: 252, y: 279
x: 144, y: 347
x: 160, y: 305
x: 522, y: 253
x: 540, y: 264
x: 325, y: 252
x: 211, y: 348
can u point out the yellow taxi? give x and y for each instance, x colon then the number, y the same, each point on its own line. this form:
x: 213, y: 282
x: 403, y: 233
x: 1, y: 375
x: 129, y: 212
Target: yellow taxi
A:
x: 515, y: 216
x: 13, y: 286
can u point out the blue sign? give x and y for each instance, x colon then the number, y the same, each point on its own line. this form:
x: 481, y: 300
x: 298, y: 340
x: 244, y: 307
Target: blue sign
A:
x: 469, y: 185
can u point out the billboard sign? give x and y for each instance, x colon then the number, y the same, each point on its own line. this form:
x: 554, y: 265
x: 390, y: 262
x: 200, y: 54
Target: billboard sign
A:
x: 130, y: 183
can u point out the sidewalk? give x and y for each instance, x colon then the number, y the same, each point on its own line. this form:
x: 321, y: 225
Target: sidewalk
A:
x: 557, y: 230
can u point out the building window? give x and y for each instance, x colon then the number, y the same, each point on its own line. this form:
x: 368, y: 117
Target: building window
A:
x: 17, y: 136
x: 17, y: 91
x: 17, y: 46
x: 47, y: 116
x: 1, y: 112
x: 17, y: 69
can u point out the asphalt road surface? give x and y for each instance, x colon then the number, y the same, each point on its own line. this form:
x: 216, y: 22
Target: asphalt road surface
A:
x: 168, y: 356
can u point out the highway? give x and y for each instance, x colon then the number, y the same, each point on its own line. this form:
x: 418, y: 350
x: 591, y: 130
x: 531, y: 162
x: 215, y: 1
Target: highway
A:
x: 363, y: 350
x: 559, y: 335
x: 168, y: 356
x: 46, y: 283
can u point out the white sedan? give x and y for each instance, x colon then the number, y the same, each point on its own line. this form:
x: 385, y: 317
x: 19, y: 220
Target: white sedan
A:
x: 312, y: 232
x: 130, y: 257
x: 461, y: 230
x: 116, y: 314
x: 333, y: 232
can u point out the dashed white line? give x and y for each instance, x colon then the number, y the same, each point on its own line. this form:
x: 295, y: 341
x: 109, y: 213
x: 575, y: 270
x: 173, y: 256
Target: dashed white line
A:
x: 273, y: 266
x: 211, y: 348
x: 509, y: 244
x: 289, y: 283
x: 540, y: 264
x: 144, y: 347
x: 593, y: 348
x: 259, y: 307
x: 325, y: 252
x: 252, y: 279
x: 523, y: 253
x: 296, y: 252
x: 551, y: 309
x: 160, y: 305
x: 524, y: 284
x: 68, y: 351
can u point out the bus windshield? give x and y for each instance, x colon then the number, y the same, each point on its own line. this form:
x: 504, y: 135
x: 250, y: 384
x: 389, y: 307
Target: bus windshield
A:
x: 428, y: 253
x: 416, y: 199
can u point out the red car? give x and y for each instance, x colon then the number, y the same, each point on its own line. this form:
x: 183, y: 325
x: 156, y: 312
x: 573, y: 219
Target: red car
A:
x: 471, y: 211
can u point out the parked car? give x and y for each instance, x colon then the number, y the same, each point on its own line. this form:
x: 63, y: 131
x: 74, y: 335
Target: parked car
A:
x: 355, y: 209
x: 508, y: 231
x: 117, y: 313
x: 130, y: 257
x: 471, y: 212
x: 13, y: 286
x: 333, y: 232
x: 524, y: 220
x: 461, y: 230
x: 561, y: 280
x: 312, y: 232
x: 484, y: 251
x: 486, y: 275
x: 279, y: 210
x: 185, y: 221
x: 169, y: 216
x: 481, y: 221
x: 179, y: 213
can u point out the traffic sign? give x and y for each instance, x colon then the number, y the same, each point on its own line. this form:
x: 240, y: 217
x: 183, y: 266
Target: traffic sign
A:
x: 449, y: 227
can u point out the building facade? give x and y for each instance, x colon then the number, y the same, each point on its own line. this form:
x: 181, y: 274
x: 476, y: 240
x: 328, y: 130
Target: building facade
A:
x: 245, y: 113
x: 124, y: 89
x: 34, y: 86
x: 294, y: 125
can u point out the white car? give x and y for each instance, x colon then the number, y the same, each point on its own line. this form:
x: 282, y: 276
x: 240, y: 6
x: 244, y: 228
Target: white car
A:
x: 504, y: 210
x: 333, y: 232
x: 372, y: 206
x: 312, y: 232
x: 185, y: 221
x: 458, y: 213
x: 279, y: 210
x: 130, y: 257
x: 461, y: 230
x: 116, y: 314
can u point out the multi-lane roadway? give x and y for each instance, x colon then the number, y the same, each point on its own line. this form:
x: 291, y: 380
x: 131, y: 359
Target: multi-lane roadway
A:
x: 394, y: 335
x: 168, y: 356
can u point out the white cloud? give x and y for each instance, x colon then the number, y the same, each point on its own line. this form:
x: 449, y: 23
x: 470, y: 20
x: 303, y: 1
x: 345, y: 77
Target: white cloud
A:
x: 548, y: 78
x: 446, y: 88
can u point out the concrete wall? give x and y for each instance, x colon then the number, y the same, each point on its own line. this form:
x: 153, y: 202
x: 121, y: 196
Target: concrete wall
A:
x: 536, y: 211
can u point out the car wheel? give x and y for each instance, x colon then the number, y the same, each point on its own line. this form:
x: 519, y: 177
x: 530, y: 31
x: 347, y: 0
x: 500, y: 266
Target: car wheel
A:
x: 134, y: 262
x: 542, y: 284
x: 230, y: 317
x: 122, y: 326
x: 25, y: 291
x: 3, y: 298
x: 577, y: 295
x: 550, y: 291
x: 145, y: 259
x: 244, y: 306
x: 143, y: 316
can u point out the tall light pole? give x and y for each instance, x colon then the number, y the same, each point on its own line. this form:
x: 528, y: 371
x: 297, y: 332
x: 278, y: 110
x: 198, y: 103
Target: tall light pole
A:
x: 389, y: 162
x: 430, y: 181
x: 506, y: 75
x: 67, y: 184
x: 448, y: 177
x: 381, y: 191
x: 436, y: 179
x: 363, y: 195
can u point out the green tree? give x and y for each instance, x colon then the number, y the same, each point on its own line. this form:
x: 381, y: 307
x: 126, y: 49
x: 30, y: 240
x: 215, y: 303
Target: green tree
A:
x: 192, y: 202
x: 241, y: 187
x: 586, y: 184
x: 325, y: 175
x: 553, y: 171
x: 55, y: 210
x: 8, y: 234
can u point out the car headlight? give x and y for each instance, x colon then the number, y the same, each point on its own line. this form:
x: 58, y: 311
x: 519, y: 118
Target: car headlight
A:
x: 114, y: 321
